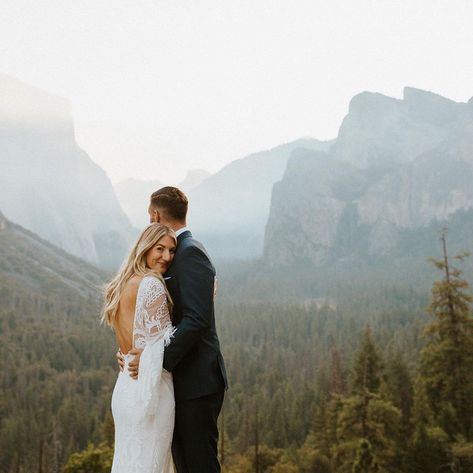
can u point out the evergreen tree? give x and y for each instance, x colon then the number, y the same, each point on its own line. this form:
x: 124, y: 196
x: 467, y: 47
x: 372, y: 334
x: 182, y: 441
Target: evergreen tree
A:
x: 365, y: 415
x: 447, y: 359
x: 400, y: 391
x: 338, y: 383
x: 428, y: 446
x: 91, y: 460
x: 367, y: 369
x: 365, y: 461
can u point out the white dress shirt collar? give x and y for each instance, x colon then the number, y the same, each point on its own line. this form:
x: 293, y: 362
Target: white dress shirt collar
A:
x: 181, y: 230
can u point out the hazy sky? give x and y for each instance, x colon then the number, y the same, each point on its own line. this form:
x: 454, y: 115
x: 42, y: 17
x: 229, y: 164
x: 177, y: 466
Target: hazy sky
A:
x: 158, y: 87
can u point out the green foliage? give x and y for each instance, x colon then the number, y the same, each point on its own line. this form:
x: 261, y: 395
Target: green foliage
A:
x: 91, y: 460
x: 284, y: 468
x: 56, y: 375
x: 367, y: 369
x: 428, y: 450
x: 309, y: 381
x: 447, y: 359
x: 462, y: 453
x: 365, y: 461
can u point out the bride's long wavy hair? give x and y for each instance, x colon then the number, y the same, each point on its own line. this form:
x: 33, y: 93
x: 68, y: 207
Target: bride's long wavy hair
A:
x: 135, y: 264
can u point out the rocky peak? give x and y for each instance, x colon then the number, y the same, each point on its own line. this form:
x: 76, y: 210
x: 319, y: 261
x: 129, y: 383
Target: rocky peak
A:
x: 369, y: 105
x: 380, y: 130
x: 397, y: 168
x: 49, y: 185
x: 430, y: 107
x: 31, y: 110
x: 194, y: 177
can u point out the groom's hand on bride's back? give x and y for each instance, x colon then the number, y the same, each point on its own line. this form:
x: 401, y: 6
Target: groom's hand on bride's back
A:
x: 120, y: 359
x: 133, y: 365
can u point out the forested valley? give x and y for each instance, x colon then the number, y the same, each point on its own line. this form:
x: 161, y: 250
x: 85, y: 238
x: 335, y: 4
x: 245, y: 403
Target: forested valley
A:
x: 372, y: 376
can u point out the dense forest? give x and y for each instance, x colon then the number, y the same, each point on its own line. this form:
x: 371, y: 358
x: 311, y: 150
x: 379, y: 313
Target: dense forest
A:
x: 369, y: 376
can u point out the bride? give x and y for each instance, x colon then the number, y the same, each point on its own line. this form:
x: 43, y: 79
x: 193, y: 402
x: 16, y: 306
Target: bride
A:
x: 137, y: 306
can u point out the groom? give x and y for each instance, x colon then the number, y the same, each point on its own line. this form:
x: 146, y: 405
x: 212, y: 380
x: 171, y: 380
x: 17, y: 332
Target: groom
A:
x: 194, y: 356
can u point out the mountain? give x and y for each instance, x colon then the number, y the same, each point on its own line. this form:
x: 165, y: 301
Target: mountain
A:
x: 133, y: 194
x: 398, y: 171
x: 228, y: 210
x: 49, y: 185
x: 34, y: 266
x: 62, y: 360
x: 193, y: 179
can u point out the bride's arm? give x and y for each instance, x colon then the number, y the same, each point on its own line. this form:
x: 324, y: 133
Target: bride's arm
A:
x: 152, y: 320
x: 152, y: 332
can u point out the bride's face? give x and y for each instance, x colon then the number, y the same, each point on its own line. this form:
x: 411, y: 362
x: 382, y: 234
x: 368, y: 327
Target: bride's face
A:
x: 160, y: 256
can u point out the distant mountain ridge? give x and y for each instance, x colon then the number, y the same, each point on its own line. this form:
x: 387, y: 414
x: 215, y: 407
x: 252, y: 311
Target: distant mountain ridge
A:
x: 51, y: 186
x: 34, y: 265
x: 228, y: 210
x: 397, y: 166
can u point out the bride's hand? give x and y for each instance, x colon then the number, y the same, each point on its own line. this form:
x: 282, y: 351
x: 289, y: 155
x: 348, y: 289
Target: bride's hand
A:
x: 135, y: 363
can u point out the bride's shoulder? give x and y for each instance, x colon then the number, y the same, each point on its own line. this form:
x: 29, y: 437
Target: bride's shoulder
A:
x: 130, y: 289
x: 134, y: 282
x: 151, y: 280
x: 132, y: 285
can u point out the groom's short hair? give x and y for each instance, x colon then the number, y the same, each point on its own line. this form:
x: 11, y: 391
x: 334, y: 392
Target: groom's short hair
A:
x: 172, y: 201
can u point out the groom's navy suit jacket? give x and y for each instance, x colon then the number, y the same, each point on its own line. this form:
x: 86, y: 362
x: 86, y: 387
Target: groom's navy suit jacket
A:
x: 194, y: 356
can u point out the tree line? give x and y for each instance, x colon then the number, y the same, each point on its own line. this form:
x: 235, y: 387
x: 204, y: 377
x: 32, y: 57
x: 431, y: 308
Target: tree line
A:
x: 364, y: 381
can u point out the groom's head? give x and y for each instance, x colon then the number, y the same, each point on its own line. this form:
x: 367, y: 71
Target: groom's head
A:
x: 168, y: 206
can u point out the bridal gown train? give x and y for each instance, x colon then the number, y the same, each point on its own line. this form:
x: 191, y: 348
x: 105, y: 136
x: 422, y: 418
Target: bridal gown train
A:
x: 143, y: 409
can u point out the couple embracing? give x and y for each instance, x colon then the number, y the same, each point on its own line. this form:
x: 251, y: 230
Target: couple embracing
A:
x: 170, y: 389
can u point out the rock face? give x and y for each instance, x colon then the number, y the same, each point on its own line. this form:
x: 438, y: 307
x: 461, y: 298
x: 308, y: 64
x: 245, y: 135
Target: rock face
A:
x: 51, y: 186
x: 194, y: 178
x: 396, y: 168
x: 228, y: 210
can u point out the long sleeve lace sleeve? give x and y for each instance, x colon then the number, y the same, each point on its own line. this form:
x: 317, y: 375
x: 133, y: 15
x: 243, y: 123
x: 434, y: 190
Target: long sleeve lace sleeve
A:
x: 152, y: 332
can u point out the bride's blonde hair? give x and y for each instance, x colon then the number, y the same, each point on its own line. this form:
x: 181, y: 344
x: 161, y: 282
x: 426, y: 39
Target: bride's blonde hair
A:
x: 135, y: 264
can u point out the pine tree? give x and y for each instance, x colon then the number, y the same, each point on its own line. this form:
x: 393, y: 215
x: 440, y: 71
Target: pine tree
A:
x: 338, y: 383
x: 365, y: 461
x: 428, y: 448
x: 399, y: 390
x: 447, y: 359
x: 367, y: 369
x: 92, y: 460
x: 366, y: 415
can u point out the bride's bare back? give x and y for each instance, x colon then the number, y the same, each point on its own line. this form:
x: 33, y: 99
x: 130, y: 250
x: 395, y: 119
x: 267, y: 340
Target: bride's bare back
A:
x: 124, y: 320
x: 143, y: 407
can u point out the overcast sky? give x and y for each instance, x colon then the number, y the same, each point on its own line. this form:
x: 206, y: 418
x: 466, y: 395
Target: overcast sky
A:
x: 158, y: 87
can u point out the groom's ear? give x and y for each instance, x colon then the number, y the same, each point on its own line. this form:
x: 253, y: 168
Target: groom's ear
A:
x: 154, y: 215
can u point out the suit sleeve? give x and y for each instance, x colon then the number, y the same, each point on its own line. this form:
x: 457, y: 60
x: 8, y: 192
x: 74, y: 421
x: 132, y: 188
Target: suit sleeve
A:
x: 196, y: 279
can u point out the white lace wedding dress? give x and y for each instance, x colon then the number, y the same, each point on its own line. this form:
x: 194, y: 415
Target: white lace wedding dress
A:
x: 143, y: 409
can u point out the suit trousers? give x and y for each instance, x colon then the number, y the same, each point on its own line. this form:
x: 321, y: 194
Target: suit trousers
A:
x: 195, y: 440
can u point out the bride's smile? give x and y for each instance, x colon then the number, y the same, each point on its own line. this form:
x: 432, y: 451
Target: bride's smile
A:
x: 161, y: 255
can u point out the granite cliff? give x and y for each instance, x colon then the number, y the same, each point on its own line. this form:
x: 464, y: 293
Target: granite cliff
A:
x: 49, y: 185
x: 228, y: 210
x: 397, y: 168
